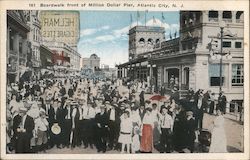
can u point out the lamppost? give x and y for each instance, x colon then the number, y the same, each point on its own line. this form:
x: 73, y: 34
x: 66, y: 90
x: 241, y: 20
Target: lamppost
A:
x: 220, y: 53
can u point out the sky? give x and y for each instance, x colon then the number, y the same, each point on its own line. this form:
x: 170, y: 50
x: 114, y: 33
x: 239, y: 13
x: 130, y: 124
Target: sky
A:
x: 105, y: 32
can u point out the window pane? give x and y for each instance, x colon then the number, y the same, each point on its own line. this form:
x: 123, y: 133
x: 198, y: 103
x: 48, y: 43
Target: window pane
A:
x: 237, y: 44
x: 226, y: 44
x: 227, y: 14
x: 213, y: 14
x: 237, y: 75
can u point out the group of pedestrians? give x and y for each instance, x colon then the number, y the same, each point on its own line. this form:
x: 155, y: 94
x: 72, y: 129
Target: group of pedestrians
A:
x: 70, y: 113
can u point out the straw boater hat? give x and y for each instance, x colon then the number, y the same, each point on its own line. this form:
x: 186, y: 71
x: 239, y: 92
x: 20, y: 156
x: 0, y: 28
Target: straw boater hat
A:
x: 56, y: 129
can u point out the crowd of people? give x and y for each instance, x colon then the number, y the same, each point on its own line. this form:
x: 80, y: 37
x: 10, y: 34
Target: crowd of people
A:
x: 96, y: 114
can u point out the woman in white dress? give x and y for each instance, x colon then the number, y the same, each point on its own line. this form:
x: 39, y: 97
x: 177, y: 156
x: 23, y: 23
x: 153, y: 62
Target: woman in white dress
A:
x: 218, y: 139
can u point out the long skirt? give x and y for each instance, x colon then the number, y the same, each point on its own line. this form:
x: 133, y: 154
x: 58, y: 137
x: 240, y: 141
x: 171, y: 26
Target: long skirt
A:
x: 147, y: 138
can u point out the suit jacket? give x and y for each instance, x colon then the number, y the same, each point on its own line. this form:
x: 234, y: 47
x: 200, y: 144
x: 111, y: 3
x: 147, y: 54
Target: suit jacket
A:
x: 28, y: 125
x: 50, y: 113
x: 102, y: 119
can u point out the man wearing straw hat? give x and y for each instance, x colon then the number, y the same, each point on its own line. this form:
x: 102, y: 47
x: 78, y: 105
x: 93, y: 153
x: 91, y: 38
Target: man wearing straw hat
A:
x: 23, y: 126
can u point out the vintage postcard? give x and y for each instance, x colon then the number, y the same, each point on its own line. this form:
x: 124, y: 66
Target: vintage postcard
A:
x: 124, y: 79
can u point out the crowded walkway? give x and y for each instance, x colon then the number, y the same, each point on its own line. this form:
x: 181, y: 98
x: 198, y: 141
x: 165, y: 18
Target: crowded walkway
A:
x: 91, y: 116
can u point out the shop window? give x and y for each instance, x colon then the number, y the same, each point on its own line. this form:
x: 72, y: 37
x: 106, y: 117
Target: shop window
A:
x: 226, y: 44
x: 238, y: 45
x: 237, y: 75
x: 214, y: 74
x: 227, y: 14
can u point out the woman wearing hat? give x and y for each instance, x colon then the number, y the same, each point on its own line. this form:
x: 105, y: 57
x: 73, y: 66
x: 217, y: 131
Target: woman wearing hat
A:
x: 147, y: 132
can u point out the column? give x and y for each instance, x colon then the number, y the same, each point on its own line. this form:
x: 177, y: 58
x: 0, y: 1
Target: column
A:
x: 126, y: 72
x: 180, y: 77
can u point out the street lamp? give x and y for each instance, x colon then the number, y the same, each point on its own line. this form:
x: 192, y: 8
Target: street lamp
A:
x: 220, y: 54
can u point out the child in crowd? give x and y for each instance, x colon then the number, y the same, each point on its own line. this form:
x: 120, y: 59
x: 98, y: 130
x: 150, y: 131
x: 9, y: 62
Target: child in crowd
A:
x: 41, y: 127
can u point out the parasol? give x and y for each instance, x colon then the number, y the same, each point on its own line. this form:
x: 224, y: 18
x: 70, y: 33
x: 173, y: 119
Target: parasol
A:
x: 159, y: 98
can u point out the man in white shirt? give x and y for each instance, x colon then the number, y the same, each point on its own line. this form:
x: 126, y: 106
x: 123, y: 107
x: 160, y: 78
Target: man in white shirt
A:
x: 166, y: 131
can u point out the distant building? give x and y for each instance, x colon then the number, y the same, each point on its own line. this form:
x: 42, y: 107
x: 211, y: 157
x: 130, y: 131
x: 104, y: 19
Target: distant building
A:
x: 93, y: 62
x: 64, y: 55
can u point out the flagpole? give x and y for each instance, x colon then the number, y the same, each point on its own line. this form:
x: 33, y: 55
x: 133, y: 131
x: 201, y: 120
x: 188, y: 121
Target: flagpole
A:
x: 131, y: 20
x: 137, y: 17
x: 161, y: 18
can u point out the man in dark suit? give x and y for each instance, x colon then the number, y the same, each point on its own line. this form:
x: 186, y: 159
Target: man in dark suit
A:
x: 222, y: 102
x: 50, y: 118
x: 67, y: 126
x: 114, y: 122
x: 199, y: 108
x: 101, y: 121
x: 23, y: 126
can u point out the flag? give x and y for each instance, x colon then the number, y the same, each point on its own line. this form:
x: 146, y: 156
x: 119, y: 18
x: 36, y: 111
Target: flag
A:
x: 131, y: 20
x: 154, y: 21
x: 162, y: 16
x: 146, y: 11
x: 175, y: 33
